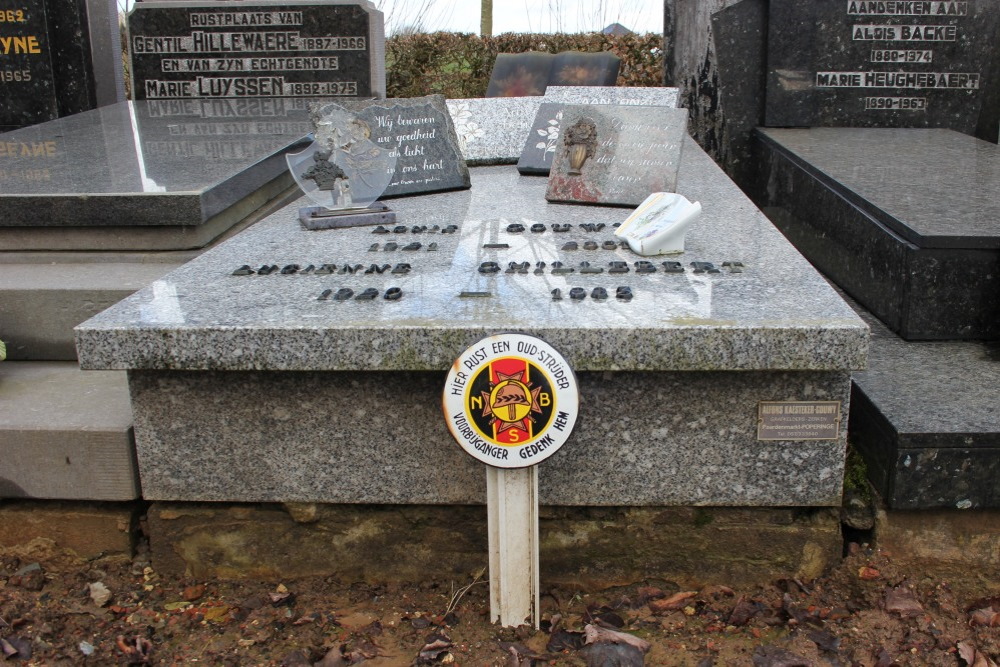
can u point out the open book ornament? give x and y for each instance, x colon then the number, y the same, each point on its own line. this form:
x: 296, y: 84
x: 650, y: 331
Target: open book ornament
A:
x: 659, y: 224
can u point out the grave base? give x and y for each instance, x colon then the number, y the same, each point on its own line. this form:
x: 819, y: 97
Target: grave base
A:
x: 317, y: 217
x: 592, y: 548
x: 904, y: 220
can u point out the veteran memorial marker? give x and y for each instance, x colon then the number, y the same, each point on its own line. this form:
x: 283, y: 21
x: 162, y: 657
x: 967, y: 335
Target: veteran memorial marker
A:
x: 511, y: 401
x: 253, y: 49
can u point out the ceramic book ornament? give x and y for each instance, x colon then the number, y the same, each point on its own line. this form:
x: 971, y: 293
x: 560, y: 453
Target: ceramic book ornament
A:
x: 658, y: 226
x: 343, y: 172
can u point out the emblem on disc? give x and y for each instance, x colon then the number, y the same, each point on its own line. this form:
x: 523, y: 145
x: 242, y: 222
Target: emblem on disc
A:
x: 511, y: 400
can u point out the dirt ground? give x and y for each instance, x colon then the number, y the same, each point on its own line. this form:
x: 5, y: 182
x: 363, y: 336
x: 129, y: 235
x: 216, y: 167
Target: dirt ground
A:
x: 868, y: 611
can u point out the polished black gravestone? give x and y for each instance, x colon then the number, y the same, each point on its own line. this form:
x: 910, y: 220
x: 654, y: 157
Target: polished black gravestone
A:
x: 160, y: 175
x: 906, y: 221
x: 923, y: 417
x: 29, y: 94
x: 528, y: 74
x: 59, y: 57
x: 256, y: 49
x: 858, y: 63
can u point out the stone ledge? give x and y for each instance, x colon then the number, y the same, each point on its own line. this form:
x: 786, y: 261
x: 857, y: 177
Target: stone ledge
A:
x: 587, y: 547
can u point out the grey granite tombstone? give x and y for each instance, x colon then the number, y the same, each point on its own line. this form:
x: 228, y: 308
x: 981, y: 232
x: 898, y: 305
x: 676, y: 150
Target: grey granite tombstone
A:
x: 616, y: 155
x: 314, y: 383
x: 421, y: 132
x: 256, y: 49
x: 492, y: 130
x: 540, y: 146
x: 884, y: 64
x: 620, y: 95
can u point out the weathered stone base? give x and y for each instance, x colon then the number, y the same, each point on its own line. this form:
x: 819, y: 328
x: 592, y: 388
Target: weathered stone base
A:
x: 955, y: 546
x: 591, y: 548
x: 54, y: 532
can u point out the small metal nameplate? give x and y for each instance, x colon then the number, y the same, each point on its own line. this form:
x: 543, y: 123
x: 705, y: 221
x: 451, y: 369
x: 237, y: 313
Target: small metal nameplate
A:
x: 798, y: 420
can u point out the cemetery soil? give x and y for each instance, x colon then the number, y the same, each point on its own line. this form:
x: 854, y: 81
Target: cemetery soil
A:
x: 868, y: 611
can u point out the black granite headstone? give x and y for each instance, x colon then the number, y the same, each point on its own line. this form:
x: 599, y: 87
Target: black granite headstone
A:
x: 572, y: 68
x: 862, y: 63
x: 256, y: 50
x: 27, y: 87
x: 527, y: 74
x: 420, y: 130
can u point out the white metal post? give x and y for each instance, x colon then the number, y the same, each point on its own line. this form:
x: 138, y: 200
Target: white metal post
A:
x: 512, y: 512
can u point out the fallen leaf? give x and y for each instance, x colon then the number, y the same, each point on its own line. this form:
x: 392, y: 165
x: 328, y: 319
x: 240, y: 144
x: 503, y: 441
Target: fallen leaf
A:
x: 99, y: 593
x: 985, y: 617
x: 901, y: 600
x: 743, y: 612
x: 192, y: 593
x: 825, y: 640
x: 973, y: 656
x: 216, y: 614
x: 675, y: 601
x: 595, y: 634
x: 564, y: 640
x: 868, y: 573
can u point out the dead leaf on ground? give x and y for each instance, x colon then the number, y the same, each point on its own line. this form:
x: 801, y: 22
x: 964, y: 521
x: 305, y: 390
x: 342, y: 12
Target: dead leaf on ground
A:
x: 672, y: 603
x: 743, y: 612
x: 192, y: 593
x: 595, y: 634
x: 902, y: 601
x: 986, y: 616
x: 868, y: 573
x: 973, y: 656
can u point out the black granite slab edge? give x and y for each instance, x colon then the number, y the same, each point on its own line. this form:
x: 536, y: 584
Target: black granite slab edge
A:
x: 871, y: 434
x: 102, y: 210
x: 922, y: 294
x: 954, y: 478
x: 890, y: 221
x: 222, y: 195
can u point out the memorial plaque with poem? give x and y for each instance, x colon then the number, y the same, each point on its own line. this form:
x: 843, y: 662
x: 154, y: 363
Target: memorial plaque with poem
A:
x: 256, y: 50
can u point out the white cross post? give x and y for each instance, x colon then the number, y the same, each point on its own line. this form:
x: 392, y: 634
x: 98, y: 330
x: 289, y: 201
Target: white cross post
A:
x: 512, y: 516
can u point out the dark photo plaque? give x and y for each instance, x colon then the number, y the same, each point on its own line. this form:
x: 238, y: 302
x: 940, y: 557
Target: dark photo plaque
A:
x: 27, y: 90
x: 863, y: 63
x: 256, y: 50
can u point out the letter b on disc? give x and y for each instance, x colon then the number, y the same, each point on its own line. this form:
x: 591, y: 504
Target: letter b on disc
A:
x: 511, y: 400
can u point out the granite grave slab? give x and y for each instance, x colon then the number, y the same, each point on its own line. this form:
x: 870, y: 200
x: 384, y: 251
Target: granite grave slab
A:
x: 923, y: 416
x: 309, y: 49
x: 884, y: 64
x: 616, y: 155
x: 492, y: 130
x: 342, y: 338
x: 145, y: 175
x: 904, y: 220
x: 620, y: 95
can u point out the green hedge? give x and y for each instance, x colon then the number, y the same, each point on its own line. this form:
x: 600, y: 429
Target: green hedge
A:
x: 459, y: 65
